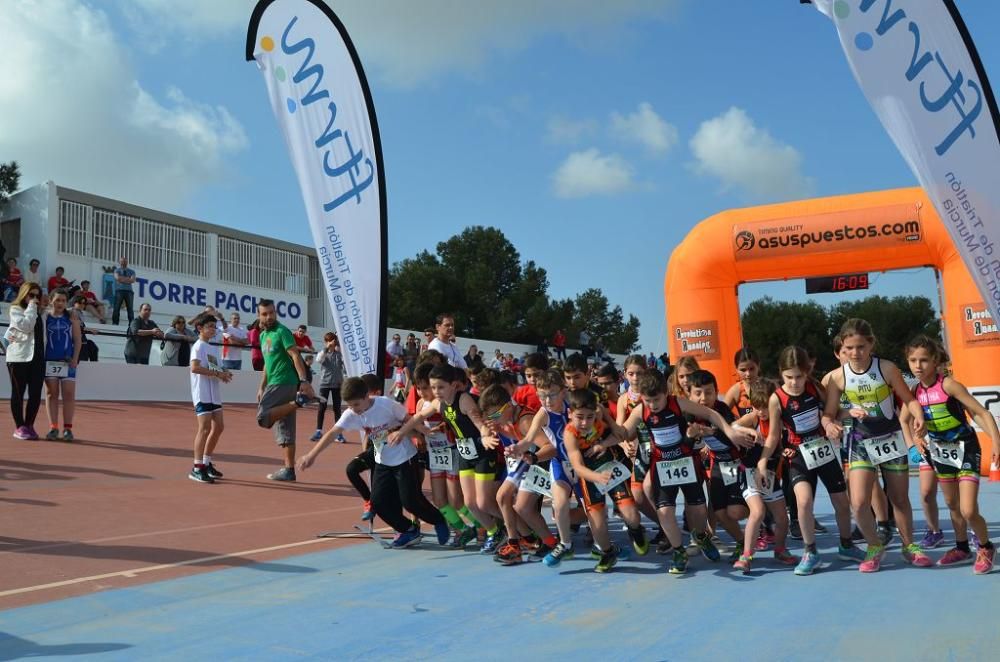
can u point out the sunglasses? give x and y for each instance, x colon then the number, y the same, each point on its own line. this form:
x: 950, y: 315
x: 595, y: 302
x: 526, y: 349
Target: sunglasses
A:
x: 34, y: 295
x: 495, y: 416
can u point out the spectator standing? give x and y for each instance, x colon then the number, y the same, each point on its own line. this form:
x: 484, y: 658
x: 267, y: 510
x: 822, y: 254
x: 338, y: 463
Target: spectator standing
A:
x: 444, y: 341
x: 651, y: 361
x: 428, y: 337
x: 411, y: 351
x: 302, y: 339
x: 543, y: 346
x: 175, y: 349
x: 400, y: 379
x: 234, y: 338
x: 93, y: 304
x: 124, y: 278
x: 62, y: 354
x: 559, y: 342
x: 497, y: 362
x: 472, y: 355
x: 585, y: 348
x: 284, y: 385
x: 58, y: 282
x: 253, y: 338
x: 88, y: 351
x: 12, y: 281
x: 26, y: 358
x: 141, y: 332
x: 393, y: 347
x: 330, y: 364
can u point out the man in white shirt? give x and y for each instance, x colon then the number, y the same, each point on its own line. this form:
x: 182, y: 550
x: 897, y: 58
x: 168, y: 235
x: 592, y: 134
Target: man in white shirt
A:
x: 444, y: 342
x: 234, y: 337
x: 394, y: 347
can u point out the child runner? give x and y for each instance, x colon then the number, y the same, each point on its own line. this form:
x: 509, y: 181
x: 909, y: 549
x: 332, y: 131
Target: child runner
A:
x: 798, y: 405
x: 365, y: 460
x: 762, y: 496
x: 869, y: 383
x: 207, y: 375
x: 675, y: 464
x: 747, y: 365
x: 725, y: 495
x: 678, y: 382
x: 527, y: 530
x: 394, y: 480
x: 589, y: 442
x: 525, y: 396
x: 478, y: 467
x: 576, y: 372
x: 640, y: 449
x: 62, y: 354
x: 953, y: 447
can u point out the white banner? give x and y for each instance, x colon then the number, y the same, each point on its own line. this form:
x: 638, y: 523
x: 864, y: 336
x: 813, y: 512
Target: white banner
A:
x: 917, y: 65
x: 321, y: 99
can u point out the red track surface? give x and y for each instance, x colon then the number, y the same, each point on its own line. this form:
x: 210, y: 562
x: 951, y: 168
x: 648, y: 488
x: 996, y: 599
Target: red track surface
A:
x: 119, y: 500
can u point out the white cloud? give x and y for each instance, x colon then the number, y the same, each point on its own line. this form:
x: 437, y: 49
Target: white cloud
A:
x: 75, y: 113
x: 644, y: 127
x: 742, y: 156
x: 591, y: 173
x: 407, y: 42
x: 566, y: 131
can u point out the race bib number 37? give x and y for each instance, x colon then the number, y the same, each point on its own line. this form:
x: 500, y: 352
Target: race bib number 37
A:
x: 56, y: 369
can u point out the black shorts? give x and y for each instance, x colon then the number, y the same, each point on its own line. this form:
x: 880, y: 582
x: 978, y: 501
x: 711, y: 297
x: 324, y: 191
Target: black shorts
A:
x: 368, y: 457
x: 831, y: 473
x: 722, y: 496
x: 969, y: 457
x: 485, y: 462
x: 592, y: 497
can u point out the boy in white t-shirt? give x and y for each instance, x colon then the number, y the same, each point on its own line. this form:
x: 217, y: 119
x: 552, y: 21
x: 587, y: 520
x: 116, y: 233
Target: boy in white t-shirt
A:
x: 395, y: 480
x: 206, y: 394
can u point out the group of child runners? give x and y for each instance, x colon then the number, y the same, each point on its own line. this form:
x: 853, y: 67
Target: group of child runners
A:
x: 747, y: 460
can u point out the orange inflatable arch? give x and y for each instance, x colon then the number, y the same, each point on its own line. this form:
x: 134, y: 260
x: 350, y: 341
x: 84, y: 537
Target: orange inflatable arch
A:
x: 878, y: 231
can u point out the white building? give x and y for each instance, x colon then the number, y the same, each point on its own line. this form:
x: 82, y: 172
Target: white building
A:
x: 181, y: 264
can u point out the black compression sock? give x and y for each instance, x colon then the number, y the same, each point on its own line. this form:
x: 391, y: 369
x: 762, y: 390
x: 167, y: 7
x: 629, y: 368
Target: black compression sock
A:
x: 962, y: 545
x: 883, y: 525
x: 846, y: 542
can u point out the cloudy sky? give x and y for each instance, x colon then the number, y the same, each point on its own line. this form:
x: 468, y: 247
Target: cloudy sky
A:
x: 594, y: 134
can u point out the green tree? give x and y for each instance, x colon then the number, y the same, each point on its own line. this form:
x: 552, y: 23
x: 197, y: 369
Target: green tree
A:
x: 594, y: 313
x: 769, y: 326
x: 10, y: 177
x: 894, y: 320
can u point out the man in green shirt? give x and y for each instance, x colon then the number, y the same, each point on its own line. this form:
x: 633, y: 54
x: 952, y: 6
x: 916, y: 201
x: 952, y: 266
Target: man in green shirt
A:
x: 284, y: 386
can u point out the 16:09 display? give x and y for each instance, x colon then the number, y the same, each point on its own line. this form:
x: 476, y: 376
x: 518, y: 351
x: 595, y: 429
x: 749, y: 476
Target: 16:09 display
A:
x: 841, y: 283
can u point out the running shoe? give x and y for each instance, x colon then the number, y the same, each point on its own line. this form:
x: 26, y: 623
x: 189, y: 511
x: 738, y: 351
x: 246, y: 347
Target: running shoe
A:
x: 301, y: 400
x: 679, y: 564
x: 539, y: 553
x: 931, y: 539
x: 212, y: 471
x: 850, y: 554
x: 367, y: 514
x: 509, y: 554
x: 692, y: 548
x: 885, y: 535
x: 284, y: 474
x: 68, y: 436
x: 856, y: 535
x: 783, y: 556
x: 743, y: 564
x: 639, y: 542
x: 664, y: 547
x: 768, y: 535
x: 915, y: 556
x: 807, y: 565
x: 984, y: 560
x: 317, y: 435
x: 818, y: 527
x: 708, y: 547
x: 200, y: 475
x: 32, y: 435
x: 53, y: 435
x: 794, y: 530
x: 608, y: 559
x: 558, y: 554
x: 735, y: 555
x: 659, y: 538
x: 340, y: 439
x: 22, y: 433
x: 873, y: 559
x: 443, y: 533
x: 973, y: 539
x: 955, y: 556
x: 464, y: 537
x: 530, y: 543
x: 761, y: 543
x: 493, y: 542
x: 406, y: 539
x: 596, y: 553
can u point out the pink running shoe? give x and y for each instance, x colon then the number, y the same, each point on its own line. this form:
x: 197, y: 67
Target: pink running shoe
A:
x: 984, y: 560
x: 914, y: 555
x: 761, y: 544
x: 955, y: 556
x: 873, y: 559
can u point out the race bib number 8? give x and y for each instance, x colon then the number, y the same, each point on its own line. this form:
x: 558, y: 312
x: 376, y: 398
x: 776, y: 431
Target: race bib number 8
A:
x: 619, y: 474
x: 537, y: 480
x: 442, y: 459
x: 883, y: 449
x: 950, y: 453
x: 676, y: 472
x: 56, y: 369
x: 467, y: 448
x: 729, y: 472
x: 817, y: 452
